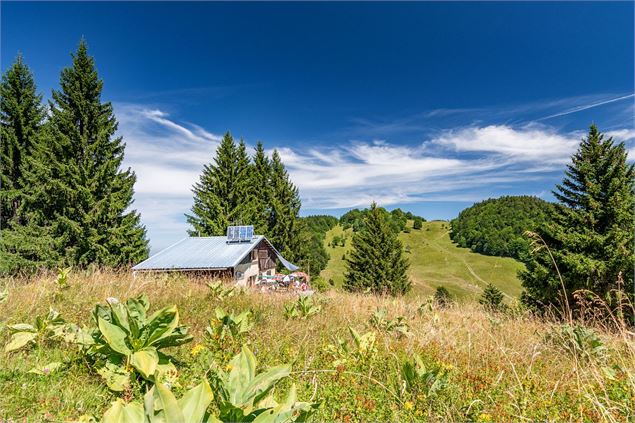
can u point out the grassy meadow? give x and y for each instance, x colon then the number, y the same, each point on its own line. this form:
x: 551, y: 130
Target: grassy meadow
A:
x: 436, y: 261
x: 477, y: 366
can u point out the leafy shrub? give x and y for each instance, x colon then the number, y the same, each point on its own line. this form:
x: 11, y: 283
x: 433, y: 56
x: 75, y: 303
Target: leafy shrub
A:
x: 418, y: 223
x: 442, y: 296
x: 46, y: 328
x: 577, y: 340
x: 227, y: 324
x: 319, y: 284
x: 160, y: 405
x: 362, y: 352
x: 62, y: 277
x: 417, y: 379
x: 244, y: 396
x: 398, y: 325
x: 303, y: 308
x: 219, y: 291
x: 127, y: 340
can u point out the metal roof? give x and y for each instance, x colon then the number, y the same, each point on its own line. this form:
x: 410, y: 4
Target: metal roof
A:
x: 210, y: 252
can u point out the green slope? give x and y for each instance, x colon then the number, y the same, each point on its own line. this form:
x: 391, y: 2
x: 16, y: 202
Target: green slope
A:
x: 435, y: 261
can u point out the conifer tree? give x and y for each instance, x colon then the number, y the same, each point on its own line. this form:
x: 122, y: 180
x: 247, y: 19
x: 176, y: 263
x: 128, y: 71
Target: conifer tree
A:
x: 492, y: 298
x: 376, y: 261
x: 285, y: 208
x: 221, y: 195
x: 21, y: 117
x: 78, y: 192
x: 591, y: 237
x: 259, y: 191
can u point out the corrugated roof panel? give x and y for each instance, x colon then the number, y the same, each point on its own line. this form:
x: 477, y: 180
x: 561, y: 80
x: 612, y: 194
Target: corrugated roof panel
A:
x: 212, y: 252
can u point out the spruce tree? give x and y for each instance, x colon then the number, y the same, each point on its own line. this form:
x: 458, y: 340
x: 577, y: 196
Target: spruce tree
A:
x: 221, y: 195
x: 78, y: 191
x: 492, y: 298
x: 285, y: 208
x: 376, y: 261
x: 591, y: 237
x: 259, y: 191
x: 21, y: 117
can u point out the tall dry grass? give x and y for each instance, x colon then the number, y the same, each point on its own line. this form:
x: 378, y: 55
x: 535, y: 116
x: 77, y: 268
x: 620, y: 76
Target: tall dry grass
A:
x: 507, y: 366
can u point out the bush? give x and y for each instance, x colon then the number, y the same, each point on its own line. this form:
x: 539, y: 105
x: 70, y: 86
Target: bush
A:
x: 319, y: 284
x: 442, y: 296
x: 418, y: 223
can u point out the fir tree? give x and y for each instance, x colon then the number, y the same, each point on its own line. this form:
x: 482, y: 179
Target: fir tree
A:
x: 591, y: 237
x: 259, y: 191
x: 285, y: 208
x: 78, y: 193
x: 492, y: 298
x: 221, y: 196
x: 376, y: 261
x: 21, y: 117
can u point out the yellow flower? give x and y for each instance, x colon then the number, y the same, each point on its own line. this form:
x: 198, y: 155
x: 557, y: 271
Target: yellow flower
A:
x: 229, y: 367
x: 484, y: 417
x: 196, y: 350
x: 408, y: 405
x: 447, y: 367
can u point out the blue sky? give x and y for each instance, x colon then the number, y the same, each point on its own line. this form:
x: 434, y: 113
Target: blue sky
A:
x: 426, y: 106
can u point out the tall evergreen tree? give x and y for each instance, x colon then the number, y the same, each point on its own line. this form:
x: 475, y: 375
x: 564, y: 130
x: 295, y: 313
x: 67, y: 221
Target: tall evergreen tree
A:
x: 21, y: 117
x: 377, y: 261
x: 285, y: 209
x: 221, y: 195
x: 77, y: 189
x: 259, y: 191
x: 591, y: 237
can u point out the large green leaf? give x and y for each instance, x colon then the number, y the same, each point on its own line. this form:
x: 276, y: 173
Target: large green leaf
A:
x: 115, y: 376
x: 287, y: 411
x: 165, y: 402
x: 114, y: 335
x: 120, y: 316
x: 160, y: 325
x: 19, y: 340
x: 264, y: 382
x: 178, y: 337
x: 136, y: 309
x: 242, y: 373
x: 145, y: 361
x: 120, y: 412
x: 22, y: 327
x: 195, y: 402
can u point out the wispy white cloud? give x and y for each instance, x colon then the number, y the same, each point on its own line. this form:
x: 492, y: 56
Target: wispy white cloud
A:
x: 463, y: 164
x: 167, y: 157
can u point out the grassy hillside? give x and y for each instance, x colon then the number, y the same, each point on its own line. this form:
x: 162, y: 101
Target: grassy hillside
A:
x: 435, y: 261
x: 478, y: 366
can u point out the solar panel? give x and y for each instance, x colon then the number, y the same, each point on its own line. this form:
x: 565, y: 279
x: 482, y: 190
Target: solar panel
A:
x: 240, y: 233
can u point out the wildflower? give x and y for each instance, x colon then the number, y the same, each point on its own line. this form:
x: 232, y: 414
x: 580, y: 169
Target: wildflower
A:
x: 408, y: 405
x: 485, y: 417
x: 112, y: 300
x: 447, y: 367
x: 196, y: 350
x: 229, y: 367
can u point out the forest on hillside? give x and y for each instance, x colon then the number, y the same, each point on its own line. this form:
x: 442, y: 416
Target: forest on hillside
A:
x: 496, y: 226
x: 396, y: 219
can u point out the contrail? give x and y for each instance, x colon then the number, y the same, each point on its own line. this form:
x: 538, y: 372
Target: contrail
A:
x: 588, y: 106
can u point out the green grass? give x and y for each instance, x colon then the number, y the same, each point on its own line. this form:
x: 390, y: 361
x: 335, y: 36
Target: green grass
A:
x: 436, y: 261
x: 499, y: 367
